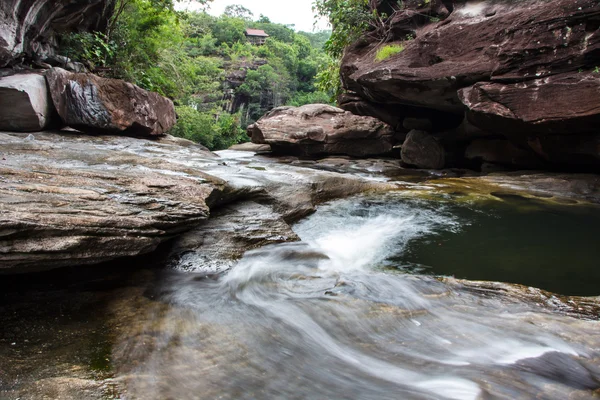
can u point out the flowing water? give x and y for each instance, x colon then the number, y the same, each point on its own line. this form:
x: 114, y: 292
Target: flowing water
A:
x: 356, y: 310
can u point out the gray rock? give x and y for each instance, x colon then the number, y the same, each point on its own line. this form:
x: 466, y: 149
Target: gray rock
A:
x: 25, y: 104
x: 90, y: 103
x: 251, y: 147
x: 69, y: 199
x: 422, y: 150
x: 29, y: 27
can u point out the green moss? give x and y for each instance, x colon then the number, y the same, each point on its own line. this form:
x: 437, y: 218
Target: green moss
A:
x: 387, y: 51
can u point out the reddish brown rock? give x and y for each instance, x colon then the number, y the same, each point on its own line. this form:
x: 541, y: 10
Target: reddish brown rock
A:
x: 561, y: 104
x: 478, y: 41
x: 422, y: 150
x: 319, y: 129
x: 99, y: 105
x: 520, y: 70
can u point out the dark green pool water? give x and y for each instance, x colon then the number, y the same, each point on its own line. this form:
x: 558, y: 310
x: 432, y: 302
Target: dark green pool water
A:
x: 524, y: 241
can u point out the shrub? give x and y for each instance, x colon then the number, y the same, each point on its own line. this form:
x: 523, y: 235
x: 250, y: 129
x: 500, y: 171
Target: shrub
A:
x: 215, y: 131
x: 387, y: 51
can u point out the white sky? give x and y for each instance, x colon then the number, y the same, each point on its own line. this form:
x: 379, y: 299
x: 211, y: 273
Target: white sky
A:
x: 298, y: 12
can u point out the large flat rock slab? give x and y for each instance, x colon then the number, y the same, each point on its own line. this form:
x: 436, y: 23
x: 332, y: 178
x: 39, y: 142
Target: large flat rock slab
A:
x: 68, y: 199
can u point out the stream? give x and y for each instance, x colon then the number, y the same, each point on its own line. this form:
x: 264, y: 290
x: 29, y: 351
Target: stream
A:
x: 353, y: 311
x: 362, y: 307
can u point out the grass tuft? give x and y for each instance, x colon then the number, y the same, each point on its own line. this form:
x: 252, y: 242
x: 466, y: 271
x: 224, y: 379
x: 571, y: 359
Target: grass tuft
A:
x: 387, y: 51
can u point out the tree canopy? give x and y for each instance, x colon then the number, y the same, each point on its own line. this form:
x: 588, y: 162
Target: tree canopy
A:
x: 218, y: 81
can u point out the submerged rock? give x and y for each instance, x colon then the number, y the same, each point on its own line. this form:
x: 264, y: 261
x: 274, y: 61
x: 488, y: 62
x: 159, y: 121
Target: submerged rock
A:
x: 25, y: 104
x: 319, y: 129
x: 93, y: 104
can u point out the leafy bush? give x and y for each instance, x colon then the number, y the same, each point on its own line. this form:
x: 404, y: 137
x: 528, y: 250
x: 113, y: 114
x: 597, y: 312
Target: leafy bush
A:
x: 387, y: 51
x: 194, y: 126
x: 302, y: 98
x: 216, y: 131
x: 92, y: 47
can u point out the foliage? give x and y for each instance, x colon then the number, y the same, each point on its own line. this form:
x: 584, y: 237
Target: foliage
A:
x: 215, y: 130
x: 92, y: 47
x: 302, y: 98
x: 238, y: 11
x: 387, y: 51
x: 328, y: 79
x: 218, y: 81
x: 348, y: 18
x: 194, y: 125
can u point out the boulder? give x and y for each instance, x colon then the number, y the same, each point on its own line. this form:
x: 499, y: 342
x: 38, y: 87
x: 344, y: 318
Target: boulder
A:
x: 319, y: 129
x: 495, y: 40
x: 422, y: 150
x: 109, y: 106
x: 25, y: 104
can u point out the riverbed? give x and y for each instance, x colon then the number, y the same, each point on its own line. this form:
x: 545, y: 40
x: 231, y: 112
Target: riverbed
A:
x: 421, y: 292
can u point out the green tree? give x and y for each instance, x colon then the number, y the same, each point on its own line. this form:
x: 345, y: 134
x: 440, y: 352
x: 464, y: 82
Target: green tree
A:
x: 238, y: 11
x: 349, y: 19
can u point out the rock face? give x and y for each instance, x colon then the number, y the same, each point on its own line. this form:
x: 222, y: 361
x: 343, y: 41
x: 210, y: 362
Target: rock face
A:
x: 422, y: 150
x: 25, y: 104
x: 561, y: 104
x: 523, y: 70
x: 68, y: 199
x: 28, y: 27
x: 93, y: 104
x: 319, y: 129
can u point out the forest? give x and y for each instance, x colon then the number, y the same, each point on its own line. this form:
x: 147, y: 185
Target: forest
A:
x: 220, y: 83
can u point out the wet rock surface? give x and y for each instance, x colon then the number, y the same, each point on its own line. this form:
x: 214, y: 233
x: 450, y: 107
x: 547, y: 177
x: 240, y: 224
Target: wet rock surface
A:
x: 319, y: 130
x: 99, y: 105
x: 211, y: 303
x: 73, y: 199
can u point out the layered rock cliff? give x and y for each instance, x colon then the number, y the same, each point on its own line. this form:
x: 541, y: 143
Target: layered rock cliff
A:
x: 525, y: 73
x: 28, y: 27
